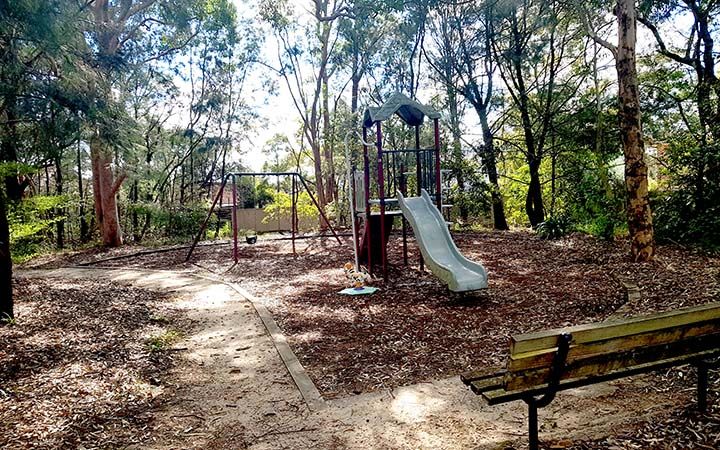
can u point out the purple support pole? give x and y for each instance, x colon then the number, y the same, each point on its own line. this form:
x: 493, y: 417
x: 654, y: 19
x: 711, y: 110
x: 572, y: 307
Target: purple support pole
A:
x: 234, y: 220
x: 438, y: 185
x: 356, y: 238
x: 204, y: 225
x: 366, y: 162
x: 403, y: 190
x: 418, y: 176
x: 418, y: 162
x: 381, y: 191
x: 293, y: 215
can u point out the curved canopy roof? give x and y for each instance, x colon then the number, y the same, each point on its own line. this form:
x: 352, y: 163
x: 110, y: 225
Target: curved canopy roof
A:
x: 411, y: 112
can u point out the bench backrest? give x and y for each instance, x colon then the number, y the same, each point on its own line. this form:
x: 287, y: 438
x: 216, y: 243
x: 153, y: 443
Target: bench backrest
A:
x: 601, y: 348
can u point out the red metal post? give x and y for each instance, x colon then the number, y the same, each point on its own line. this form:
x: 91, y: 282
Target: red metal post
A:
x: 418, y: 161
x: 320, y: 210
x: 418, y: 175
x: 293, y: 215
x: 438, y: 184
x: 353, y: 210
x: 381, y: 191
x: 366, y: 162
x: 234, y: 219
x: 403, y: 190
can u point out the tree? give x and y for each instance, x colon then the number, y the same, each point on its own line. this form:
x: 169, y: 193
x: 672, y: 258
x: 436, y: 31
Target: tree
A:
x: 535, y: 49
x: 39, y: 60
x: 465, y: 65
x: 698, y: 55
x: 132, y: 32
x: 639, y: 214
x: 309, y: 92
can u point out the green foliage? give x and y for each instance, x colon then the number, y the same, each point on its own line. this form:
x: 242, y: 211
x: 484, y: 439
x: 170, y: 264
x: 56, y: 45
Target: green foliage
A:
x: 676, y: 219
x: 163, y: 341
x: 554, y: 228
x: 31, y: 221
x: 172, y: 224
x: 7, y: 320
x: 281, y: 206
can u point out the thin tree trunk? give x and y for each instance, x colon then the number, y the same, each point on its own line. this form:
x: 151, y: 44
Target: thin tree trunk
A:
x: 84, y: 229
x: 6, y: 290
x: 636, y: 174
x: 533, y: 201
x: 60, y: 225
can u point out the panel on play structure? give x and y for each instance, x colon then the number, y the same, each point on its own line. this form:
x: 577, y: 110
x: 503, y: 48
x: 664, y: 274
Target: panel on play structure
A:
x: 375, y: 241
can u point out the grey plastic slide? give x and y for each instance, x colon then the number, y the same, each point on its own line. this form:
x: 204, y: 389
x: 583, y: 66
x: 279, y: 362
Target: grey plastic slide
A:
x: 437, y: 247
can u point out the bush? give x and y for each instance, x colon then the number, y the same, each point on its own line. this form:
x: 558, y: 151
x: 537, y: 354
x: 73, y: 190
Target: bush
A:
x: 31, y: 223
x: 174, y: 224
x: 554, y: 228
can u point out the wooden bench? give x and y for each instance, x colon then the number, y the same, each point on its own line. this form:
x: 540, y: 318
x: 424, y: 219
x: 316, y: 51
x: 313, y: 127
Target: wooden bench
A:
x: 544, y: 363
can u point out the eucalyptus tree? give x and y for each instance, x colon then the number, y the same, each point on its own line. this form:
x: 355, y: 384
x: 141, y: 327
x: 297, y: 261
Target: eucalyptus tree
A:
x: 306, y: 69
x: 537, y: 47
x: 123, y: 33
x: 639, y: 214
x: 693, y: 50
x: 41, y: 69
x: 464, y: 62
x: 362, y: 33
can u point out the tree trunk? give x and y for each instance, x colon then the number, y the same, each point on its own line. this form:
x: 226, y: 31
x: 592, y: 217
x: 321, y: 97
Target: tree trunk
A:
x: 533, y: 201
x: 490, y: 163
x: 636, y: 174
x: 457, y: 156
x: 355, y: 93
x: 6, y: 290
x: 60, y: 225
x: 330, y: 187
x: 84, y: 229
x: 104, y: 187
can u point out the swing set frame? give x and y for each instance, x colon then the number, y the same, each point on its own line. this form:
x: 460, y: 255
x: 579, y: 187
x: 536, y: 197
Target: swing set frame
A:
x: 297, y: 182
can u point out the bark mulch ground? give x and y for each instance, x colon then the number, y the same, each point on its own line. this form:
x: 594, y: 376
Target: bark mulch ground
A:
x: 413, y: 329
x: 82, y: 365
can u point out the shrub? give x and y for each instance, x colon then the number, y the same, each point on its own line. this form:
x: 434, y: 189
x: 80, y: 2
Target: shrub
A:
x: 554, y: 228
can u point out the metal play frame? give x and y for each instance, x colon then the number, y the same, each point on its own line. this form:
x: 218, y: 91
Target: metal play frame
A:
x: 295, y: 192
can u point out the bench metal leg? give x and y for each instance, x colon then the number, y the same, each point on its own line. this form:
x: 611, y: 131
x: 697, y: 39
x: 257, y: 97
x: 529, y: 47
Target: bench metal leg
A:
x: 702, y: 386
x: 533, y: 440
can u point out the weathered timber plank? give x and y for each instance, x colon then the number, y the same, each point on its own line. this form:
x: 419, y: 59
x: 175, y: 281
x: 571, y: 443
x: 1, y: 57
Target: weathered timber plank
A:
x: 497, y: 396
x: 544, y: 358
x: 606, y: 363
x: 529, y: 342
x: 487, y: 384
x: 475, y: 375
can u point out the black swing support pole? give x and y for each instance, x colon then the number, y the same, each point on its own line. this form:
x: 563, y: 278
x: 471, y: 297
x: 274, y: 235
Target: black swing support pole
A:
x: 317, y: 205
x: 204, y: 225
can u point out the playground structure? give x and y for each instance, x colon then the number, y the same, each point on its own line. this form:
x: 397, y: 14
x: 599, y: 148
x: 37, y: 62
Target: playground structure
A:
x: 297, y: 183
x: 378, y: 199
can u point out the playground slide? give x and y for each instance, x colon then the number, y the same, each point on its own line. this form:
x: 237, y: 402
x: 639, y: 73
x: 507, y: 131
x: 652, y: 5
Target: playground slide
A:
x: 437, y: 247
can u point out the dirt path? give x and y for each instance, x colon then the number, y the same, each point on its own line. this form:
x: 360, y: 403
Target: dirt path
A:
x: 232, y: 391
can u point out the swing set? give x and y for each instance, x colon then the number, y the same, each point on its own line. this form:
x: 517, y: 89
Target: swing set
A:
x: 297, y: 183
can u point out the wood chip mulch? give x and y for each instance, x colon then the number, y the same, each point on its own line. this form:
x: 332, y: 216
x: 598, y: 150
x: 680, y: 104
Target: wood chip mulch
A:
x: 76, y: 370
x: 414, y: 330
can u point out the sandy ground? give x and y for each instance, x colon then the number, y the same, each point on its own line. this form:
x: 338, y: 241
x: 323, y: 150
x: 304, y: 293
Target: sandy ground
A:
x: 232, y: 390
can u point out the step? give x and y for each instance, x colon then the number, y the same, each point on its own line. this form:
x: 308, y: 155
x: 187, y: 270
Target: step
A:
x: 376, y: 201
x: 387, y: 213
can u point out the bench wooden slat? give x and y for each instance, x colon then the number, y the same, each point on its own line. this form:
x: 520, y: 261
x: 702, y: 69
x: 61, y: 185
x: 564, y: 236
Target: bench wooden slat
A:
x: 475, y: 375
x: 500, y: 395
x: 486, y: 384
x: 598, y: 365
x: 544, y: 358
x: 542, y: 340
